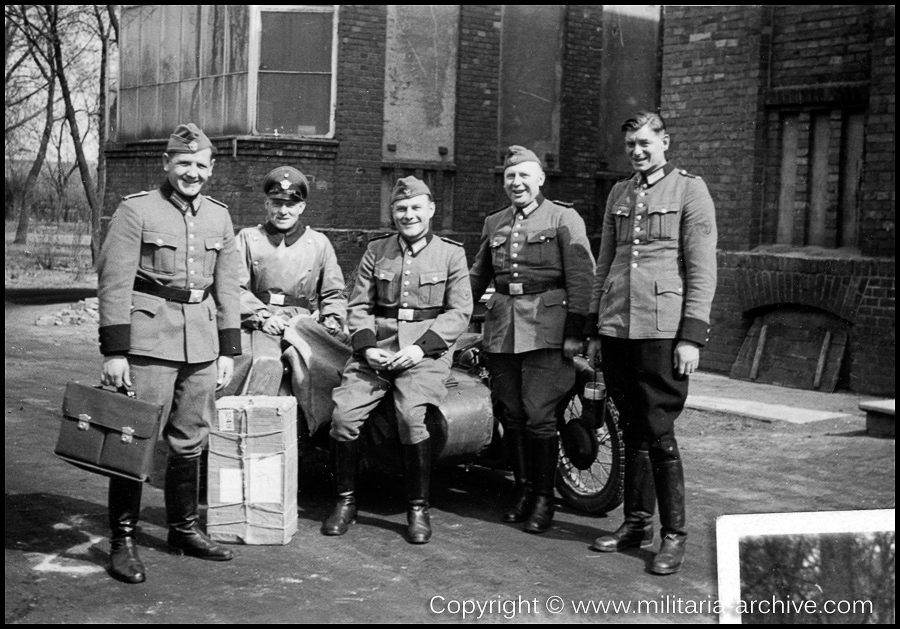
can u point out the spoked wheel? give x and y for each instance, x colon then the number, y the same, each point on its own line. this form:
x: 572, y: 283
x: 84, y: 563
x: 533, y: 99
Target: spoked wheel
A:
x: 595, y: 484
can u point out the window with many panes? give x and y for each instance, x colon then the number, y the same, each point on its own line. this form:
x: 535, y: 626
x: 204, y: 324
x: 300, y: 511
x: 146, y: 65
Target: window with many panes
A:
x: 231, y: 69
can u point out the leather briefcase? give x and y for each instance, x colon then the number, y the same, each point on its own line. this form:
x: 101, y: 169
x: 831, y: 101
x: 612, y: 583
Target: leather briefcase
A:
x: 108, y: 433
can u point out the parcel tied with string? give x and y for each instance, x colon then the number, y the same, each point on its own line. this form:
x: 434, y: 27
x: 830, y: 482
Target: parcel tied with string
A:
x: 252, y: 471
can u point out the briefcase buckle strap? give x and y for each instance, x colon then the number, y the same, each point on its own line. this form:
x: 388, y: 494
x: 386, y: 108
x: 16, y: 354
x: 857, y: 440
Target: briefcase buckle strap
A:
x: 127, y: 434
x: 84, y: 421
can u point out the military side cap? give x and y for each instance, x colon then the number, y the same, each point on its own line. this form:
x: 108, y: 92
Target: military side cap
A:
x: 518, y: 154
x: 287, y: 184
x: 188, y: 138
x: 409, y: 187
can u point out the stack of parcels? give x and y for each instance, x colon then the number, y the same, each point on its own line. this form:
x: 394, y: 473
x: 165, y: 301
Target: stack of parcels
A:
x: 252, y: 472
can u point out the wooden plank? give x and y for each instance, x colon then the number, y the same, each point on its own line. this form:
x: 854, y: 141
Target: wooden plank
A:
x: 788, y: 190
x: 760, y: 346
x: 823, y: 354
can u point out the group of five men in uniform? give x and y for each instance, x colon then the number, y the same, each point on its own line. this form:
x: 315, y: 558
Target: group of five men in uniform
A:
x: 174, y: 292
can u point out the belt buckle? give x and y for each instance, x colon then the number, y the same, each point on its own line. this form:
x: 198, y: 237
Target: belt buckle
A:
x: 405, y: 314
x: 196, y: 296
x: 276, y: 300
x: 517, y: 288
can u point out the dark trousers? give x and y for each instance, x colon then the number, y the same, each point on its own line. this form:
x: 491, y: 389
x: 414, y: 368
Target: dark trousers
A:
x: 531, y: 385
x: 649, y: 395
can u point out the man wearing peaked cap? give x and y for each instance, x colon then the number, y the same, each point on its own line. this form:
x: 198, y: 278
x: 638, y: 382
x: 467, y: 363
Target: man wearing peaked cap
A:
x: 650, y: 305
x: 169, y: 328
x: 292, y: 303
x: 410, y: 303
x: 537, y: 254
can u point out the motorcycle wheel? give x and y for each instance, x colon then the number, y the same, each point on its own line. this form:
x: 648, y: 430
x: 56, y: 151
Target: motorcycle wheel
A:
x: 600, y: 487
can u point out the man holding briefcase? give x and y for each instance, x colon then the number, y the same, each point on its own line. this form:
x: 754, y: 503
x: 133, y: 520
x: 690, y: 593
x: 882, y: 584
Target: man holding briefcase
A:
x: 169, y: 327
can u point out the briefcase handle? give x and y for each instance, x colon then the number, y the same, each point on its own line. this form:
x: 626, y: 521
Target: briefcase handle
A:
x: 122, y: 390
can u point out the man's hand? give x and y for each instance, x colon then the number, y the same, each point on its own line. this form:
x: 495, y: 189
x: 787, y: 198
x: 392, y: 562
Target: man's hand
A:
x: 593, y: 351
x: 572, y: 347
x: 116, y: 372
x: 406, y: 358
x: 224, y: 371
x: 274, y: 325
x: 377, y: 358
x: 687, y: 358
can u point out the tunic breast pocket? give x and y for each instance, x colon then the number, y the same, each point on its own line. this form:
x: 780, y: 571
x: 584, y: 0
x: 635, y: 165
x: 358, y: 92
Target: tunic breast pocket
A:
x: 384, y: 278
x: 622, y: 214
x: 158, y: 252
x: 498, y: 251
x: 213, y: 247
x: 663, y: 221
x: 431, y: 288
x: 544, y: 243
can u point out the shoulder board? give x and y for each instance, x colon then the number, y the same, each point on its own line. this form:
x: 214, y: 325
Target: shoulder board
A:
x: 142, y: 193
x: 687, y: 174
x: 452, y: 242
x: 499, y: 209
x: 564, y: 203
x: 381, y: 237
x: 217, y: 202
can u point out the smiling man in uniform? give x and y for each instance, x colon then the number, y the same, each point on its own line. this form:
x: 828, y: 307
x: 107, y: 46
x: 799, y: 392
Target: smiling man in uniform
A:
x: 410, y: 303
x: 169, y: 317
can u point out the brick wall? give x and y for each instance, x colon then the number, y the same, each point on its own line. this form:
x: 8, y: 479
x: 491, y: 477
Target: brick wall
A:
x: 878, y: 220
x: 726, y: 73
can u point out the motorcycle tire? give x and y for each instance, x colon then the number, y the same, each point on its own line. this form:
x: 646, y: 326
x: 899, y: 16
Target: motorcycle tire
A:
x: 600, y: 487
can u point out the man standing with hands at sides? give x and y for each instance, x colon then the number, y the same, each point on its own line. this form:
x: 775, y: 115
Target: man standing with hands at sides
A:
x: 169, y: 327
x: 538, y: 256
x: 410, y: 303
x: 650, y: 305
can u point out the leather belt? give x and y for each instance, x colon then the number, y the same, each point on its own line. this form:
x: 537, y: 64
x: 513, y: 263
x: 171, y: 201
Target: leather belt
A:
x: 276, y: 299
x: 180, y: 295
x: 407, y: 314
x: 527, y: 288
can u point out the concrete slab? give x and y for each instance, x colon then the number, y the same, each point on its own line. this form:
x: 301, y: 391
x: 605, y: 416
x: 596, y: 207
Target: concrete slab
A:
x: 761, y: 410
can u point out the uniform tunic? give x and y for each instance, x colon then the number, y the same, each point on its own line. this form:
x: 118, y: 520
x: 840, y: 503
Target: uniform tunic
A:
x: 300, y: 264
x: 396, y: 284
x: 161, y: 238
x: 541, y: 257
x: 654, y: 285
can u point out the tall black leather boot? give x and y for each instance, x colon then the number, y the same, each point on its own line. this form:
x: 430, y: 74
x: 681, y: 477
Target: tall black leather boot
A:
x: 182, y: 512
x: 544, y: 460
x: 669, y: 479
x: 517, y: 445
x: 639, y: 505
x: 417, y: 473
x: 344, y: 461
x: 124, y: 512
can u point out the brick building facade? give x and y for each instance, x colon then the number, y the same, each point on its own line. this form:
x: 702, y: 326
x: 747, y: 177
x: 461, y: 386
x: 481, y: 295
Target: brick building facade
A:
x: 768, y: 104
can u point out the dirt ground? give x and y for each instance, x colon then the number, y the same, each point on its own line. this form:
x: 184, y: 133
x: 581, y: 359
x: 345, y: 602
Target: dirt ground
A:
x: 56, y: 547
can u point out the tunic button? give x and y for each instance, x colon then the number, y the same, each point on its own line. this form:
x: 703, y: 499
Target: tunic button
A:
x: 640, y: 205
x: 637, y: 229
x: 407, y: 272
x: 190, y: 235
x: 192, y: 271
x: 191, y: 285
x: 634, y: 253
x: 433, y: 279
x: 638, y: 217
x: 515, y: 275
x: 637, y: 242
x: 159, y: 241
x: 543, y: 238
x: 643, y: 194
x: 191, y: 248
x: 515, y: 265
x: 515, y: 255
x: 516, y: 234
x: 254, y: 238
x: 405, y: 305
x: 256, y: 262
x: 634, y: 266
x: 405, y: 293
x: 190, y: 259
x: 406, y: 283
x: 515, y: 244
x: 191, y: 224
